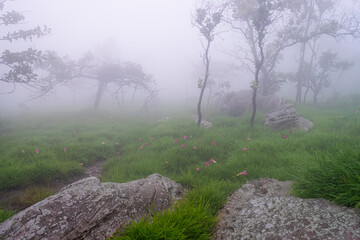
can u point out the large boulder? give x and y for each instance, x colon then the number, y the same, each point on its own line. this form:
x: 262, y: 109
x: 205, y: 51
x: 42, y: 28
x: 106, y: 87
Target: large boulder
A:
x: 263, y: 209
x: 237, y: 103
x: 286, y: 117
x: 88, y: 209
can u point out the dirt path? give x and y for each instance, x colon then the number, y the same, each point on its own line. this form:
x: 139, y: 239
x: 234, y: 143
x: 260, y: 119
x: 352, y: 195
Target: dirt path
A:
x: 13, y: 199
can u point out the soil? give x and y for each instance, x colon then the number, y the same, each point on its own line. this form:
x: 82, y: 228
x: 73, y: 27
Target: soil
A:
x: 12, y: 199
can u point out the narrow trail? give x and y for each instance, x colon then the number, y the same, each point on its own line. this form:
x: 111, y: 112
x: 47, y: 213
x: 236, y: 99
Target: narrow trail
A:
x: 13, y: 199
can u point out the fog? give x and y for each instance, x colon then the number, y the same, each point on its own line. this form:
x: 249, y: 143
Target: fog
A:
x: 157, y: 34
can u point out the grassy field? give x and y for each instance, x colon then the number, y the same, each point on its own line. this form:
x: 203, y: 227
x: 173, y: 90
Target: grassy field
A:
x: 323, y: 163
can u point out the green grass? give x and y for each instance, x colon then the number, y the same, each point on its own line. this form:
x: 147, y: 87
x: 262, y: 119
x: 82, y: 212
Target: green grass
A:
x: 335, y: 177
x: 323, y: 162
x: 184, y: 221
x: 5, y: 214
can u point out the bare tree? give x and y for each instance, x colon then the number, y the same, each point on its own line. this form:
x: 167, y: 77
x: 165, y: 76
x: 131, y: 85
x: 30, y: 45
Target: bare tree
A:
x: 113, y: 75
x: 312, y: 19
x: 318, y: 76
x: 207, y: 17
x: 256, y: 21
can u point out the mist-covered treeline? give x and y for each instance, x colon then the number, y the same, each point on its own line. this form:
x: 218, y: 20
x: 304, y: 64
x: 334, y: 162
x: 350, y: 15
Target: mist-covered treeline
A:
x: 303, y: 49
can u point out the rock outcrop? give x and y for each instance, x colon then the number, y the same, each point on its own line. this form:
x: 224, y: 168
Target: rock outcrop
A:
x: 236, y: 104
x: 88, y: 209
x: 262, y: 209
x: 286, y: 117
x: 204, y: 123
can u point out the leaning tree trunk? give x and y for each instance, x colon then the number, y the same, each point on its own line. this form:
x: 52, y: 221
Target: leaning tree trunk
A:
x: 100, y: 91
x: 207, y: 63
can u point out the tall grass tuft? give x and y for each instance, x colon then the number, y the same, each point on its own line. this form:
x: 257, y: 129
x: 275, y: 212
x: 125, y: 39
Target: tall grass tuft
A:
x: 336, y: 177
x: 191, y: 219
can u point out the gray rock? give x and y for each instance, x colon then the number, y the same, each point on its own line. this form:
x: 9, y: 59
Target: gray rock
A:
x: 204, y: 123
x: 285, y: 117
x: 88, y: 209
x: 304, y: 124
x: 263, y: 209
x: 237, y: 103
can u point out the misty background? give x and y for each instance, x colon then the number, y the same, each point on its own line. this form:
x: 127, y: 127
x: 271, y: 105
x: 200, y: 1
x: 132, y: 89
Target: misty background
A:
x: 158, y: 35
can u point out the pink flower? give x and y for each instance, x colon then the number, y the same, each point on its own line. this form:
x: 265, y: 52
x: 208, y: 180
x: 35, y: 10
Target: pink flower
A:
x: 22, y: 150
x: 153, y: 138
x: 285, y: 137
x: 248, y: 139
x: 146, y: 144
x: 194, y: 147
x: 213, y: 160
x: 357, y: 111
x: 183, y: 145
x: 37, y: 151
x: 175, y: 141
x: 140, y: 139
x: 185, y: 137
x: 242, y: 173
x: 197, y: 169
x: 213, y: 143
x: 198, y: 140
x: 64, y: 149
x: 290, y: 131
x: 207, y: 164
x: 244, y: 149
x: 222, y: 133
x: 141, y: 147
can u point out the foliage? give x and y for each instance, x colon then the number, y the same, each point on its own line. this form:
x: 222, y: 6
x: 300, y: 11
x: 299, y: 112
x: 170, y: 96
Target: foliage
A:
x: 20, y: 66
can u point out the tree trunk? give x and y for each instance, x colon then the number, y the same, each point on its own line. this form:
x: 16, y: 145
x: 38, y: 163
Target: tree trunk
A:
x: 305, y: 95
x: 258, y: 66
x: 207, y: 63
x: 315, y: 98
x: 100, y: 91
x: 310, y: 9
x: 133, y: 96
x: 300, y: 73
